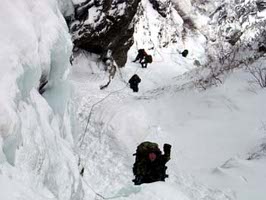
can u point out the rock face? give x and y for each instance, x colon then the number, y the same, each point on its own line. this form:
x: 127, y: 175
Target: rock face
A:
x: 102, y: 25
x: 160, y: 6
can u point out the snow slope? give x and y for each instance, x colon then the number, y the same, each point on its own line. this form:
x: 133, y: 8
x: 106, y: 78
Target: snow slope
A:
x: 217, y: 135
x: 212, y: 132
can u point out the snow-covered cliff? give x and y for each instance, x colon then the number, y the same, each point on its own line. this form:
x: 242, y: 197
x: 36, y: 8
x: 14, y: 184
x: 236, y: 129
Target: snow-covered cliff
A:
x: 36, y: 132
x: 99, y: 26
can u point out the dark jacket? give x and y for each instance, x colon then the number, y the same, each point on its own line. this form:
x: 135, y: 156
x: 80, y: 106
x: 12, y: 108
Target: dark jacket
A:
x: 134, y: 82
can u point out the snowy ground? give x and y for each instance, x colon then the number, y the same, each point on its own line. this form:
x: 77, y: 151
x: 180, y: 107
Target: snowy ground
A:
x: 212, y: 132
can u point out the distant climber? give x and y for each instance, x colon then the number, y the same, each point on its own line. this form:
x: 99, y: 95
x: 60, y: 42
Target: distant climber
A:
x: 134, y: 82
x: 147, y: 59
x: 150, y: 163
x: 141, y: 55
x: 71, y: 59
x: 184, y: 53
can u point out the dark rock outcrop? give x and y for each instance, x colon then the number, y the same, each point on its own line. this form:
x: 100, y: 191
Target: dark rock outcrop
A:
x: 102, y: 25
x: 261, y: 5
x: 160, y: 7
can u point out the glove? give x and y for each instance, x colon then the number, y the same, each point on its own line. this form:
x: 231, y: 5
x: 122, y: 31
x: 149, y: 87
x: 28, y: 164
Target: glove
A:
x: 167, y: 148
x: 138, y: 180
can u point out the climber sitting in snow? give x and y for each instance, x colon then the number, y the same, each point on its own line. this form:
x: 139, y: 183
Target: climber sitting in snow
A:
x: 150, y: 163
x: 141, y: 55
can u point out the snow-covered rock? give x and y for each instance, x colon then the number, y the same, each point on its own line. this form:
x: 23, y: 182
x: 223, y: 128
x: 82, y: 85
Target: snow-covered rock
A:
x: 105, y: 25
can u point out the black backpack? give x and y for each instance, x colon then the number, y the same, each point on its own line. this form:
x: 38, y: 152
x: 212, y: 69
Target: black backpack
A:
x: 141, y: 50
x: 185, y: 53
x: 149, y: 58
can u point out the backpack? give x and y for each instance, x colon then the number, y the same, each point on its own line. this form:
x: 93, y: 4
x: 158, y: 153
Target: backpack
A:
x: 135, y: 79
x: 141, y: 50
x: 149, y: 58
x: 185, y: 53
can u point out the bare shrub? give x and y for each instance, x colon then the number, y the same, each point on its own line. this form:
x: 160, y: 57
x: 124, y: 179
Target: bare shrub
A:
x: 259, y: 154
x: 259, y: 75
x: 210, y: 80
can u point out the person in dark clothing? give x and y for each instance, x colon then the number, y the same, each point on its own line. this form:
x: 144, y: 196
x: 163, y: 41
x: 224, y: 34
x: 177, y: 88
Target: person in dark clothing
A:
x: 147, y: 59
x: 141, y: 55
x: 134, y: 82
x: 151, y: 167
x: 185, y: 53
